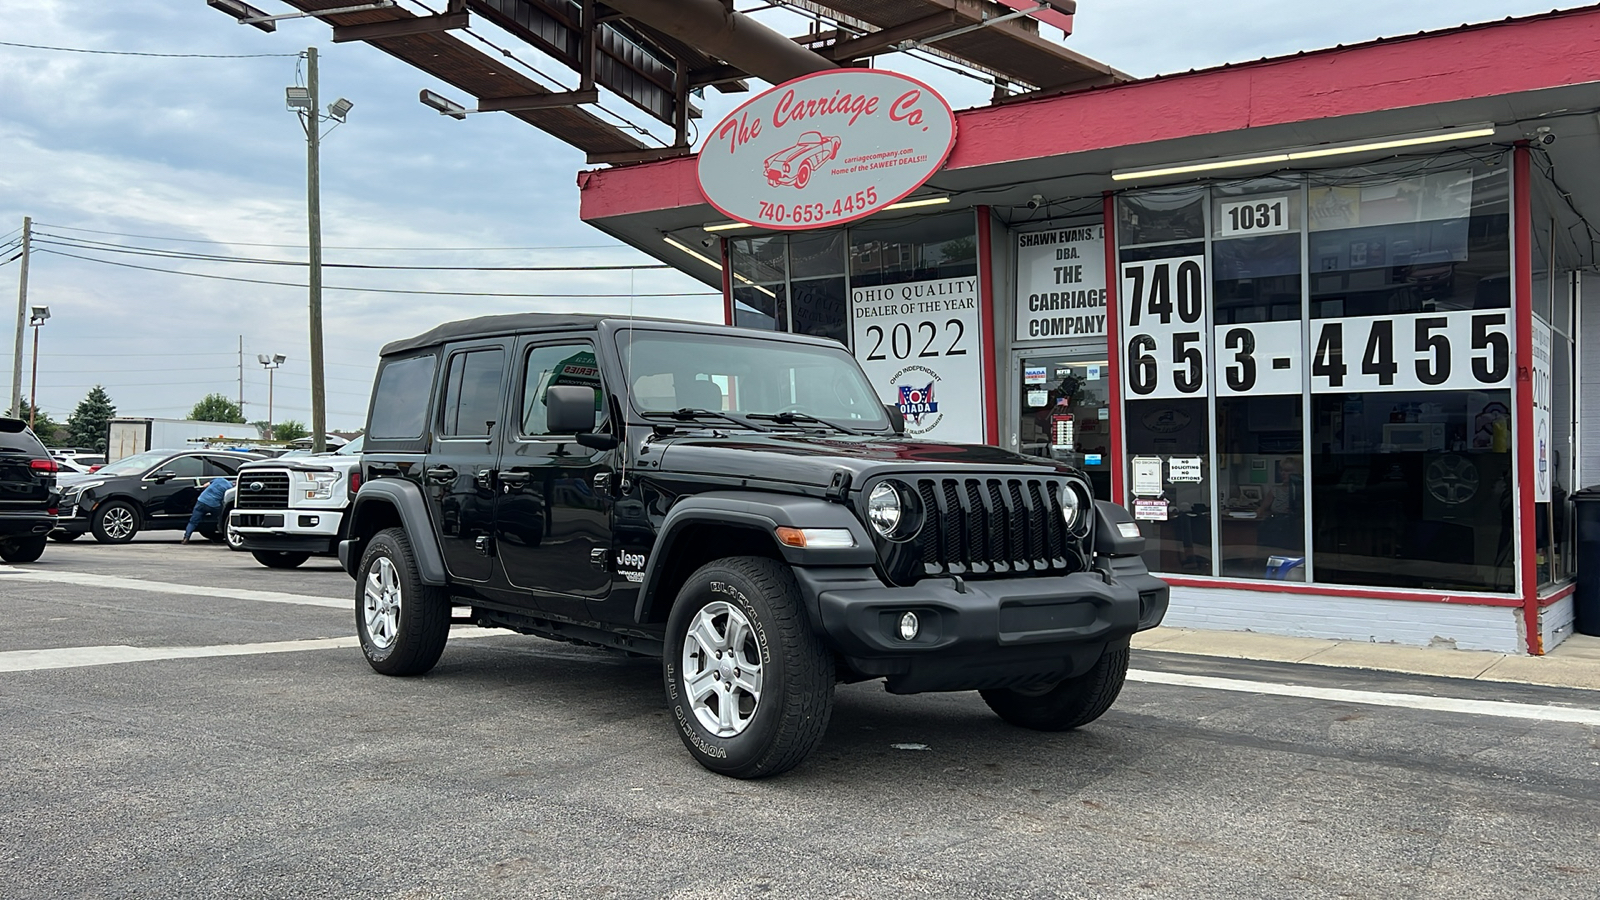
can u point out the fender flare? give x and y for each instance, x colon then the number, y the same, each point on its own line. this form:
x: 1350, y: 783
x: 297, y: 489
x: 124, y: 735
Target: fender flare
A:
x: 407, y: 500
x: 760, y: 512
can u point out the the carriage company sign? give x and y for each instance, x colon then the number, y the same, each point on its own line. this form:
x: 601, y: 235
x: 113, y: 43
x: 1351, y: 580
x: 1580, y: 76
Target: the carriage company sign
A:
x: 826, y: 148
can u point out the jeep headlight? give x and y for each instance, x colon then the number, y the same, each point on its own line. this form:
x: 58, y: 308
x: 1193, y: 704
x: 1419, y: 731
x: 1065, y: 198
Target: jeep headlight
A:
x: 894, y: 511
x: 1076, y: 509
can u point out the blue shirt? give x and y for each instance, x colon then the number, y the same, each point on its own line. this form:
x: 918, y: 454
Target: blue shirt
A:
x: 214, y: 492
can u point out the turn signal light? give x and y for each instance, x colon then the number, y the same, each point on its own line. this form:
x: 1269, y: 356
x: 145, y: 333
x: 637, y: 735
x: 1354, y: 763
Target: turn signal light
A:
x: 815, y: 538
x: 355, y: 481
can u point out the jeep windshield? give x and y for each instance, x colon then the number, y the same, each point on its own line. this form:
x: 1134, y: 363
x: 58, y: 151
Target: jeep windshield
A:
x: 729, y: 377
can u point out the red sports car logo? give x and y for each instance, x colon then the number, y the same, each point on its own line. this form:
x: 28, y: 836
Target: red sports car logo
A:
x: 796, y: 164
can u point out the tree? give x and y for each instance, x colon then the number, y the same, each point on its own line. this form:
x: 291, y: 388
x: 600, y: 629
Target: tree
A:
x: 89, y: 422
x: 217, y: 408
x: 43, y: 426
x: 288, y: 431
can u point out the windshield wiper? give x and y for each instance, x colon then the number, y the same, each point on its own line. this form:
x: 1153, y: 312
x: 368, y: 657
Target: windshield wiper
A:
x: 789, y: 417
x: 689, y: 414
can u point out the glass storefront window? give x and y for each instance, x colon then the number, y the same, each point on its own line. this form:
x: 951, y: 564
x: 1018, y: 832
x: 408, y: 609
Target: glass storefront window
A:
x: 1169, y: 452
x: 925, y: 248
x: 1066, y: 414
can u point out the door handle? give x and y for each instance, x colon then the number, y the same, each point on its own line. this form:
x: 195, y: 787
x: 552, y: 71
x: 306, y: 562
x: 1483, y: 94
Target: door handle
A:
x: 383, y: 469
x: 514, y: 479
x: 441, y: 474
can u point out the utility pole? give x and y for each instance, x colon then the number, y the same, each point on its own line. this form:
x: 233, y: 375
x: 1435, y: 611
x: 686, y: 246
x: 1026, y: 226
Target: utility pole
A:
x: 241, y: 375
x: 22, y: 319
x: 319, y: 415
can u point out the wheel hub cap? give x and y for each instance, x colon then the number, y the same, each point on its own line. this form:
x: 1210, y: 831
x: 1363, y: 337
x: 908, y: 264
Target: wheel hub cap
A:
x: 119, y: 523
x: 722, y: 669
x: 381, y: 603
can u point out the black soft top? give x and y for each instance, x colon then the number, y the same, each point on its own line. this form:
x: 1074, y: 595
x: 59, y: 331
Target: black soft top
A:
x: 533, y: 323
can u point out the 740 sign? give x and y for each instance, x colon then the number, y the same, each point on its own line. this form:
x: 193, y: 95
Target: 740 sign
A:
x: 1164, y: 327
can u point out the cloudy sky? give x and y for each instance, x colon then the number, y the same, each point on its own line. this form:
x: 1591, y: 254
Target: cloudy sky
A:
x: 131, y: 165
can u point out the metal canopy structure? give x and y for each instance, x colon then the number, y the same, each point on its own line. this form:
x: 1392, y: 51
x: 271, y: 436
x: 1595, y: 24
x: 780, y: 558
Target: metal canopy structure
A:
x: 655, y: 53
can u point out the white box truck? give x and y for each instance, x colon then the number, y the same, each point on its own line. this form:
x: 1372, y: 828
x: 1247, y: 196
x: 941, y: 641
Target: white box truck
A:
x: 127, y: 436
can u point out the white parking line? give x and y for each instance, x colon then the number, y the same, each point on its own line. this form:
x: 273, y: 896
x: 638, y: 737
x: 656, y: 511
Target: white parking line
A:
x: 1375, y: 698
x: 84, y: 579
x: 76, y: 657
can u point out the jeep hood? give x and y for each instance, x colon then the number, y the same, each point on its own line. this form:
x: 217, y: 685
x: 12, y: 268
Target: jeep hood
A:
x: 809, y: 458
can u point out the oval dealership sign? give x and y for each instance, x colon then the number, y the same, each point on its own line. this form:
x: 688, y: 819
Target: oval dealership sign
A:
x: 826, y: 148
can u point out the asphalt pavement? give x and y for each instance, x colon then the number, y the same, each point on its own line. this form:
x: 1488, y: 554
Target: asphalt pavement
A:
x: 178, y: 721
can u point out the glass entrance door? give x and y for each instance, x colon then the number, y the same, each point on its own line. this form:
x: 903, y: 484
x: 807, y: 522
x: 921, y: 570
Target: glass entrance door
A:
x: 1065, y: 412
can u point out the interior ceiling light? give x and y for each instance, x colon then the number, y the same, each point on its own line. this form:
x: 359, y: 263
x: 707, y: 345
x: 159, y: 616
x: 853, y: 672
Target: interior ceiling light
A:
x: 926, y: 201
x: 1366, y: 146
x: 725, y: 226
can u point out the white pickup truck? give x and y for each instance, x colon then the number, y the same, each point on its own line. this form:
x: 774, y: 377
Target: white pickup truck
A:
x: 288, y: 509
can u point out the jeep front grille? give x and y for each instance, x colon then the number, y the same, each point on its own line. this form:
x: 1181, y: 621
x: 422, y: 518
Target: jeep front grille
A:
x: 273, y: 494
x: 993, y: 526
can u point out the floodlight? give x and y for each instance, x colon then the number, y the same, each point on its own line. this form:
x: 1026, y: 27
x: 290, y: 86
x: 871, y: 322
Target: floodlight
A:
x: 263, y: 358
x: 339, y: 108
x: 37, y: 315
x: 297, y: 97
x: 278, y: 358
x: 244, y: 12
x: 445, y: 106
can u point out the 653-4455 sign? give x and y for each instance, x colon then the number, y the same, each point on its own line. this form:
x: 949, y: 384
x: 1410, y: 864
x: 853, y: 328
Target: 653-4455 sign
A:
x: 825, y: 149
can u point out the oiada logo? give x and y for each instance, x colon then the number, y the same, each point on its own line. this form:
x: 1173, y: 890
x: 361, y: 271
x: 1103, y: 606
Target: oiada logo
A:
x: 914, y: 390
x: 826, y: 148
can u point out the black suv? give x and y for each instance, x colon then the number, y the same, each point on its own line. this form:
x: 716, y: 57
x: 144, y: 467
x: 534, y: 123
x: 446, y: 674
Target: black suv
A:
x: 28, y: 495
x: 152, y: 490
x: 742, y: 505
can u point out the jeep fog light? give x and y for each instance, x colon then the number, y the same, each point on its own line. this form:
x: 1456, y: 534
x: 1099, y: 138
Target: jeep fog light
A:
x: 909, y: 626
x: 816, y: 538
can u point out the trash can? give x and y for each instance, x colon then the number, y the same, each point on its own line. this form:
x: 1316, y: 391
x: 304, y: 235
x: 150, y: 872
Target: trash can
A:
x: 1586, y: 519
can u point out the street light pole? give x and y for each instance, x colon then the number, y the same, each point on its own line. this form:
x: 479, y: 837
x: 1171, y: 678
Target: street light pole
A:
x: 39, y: 314
x: 319, y: 416
x: 271, y: 364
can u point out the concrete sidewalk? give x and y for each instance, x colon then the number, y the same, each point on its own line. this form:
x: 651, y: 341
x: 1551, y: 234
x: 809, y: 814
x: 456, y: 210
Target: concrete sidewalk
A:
x: 1575, y: 663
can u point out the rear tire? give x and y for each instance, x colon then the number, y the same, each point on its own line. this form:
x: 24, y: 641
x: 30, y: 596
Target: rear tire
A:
x: 403, y: 623
x: 1068, y: 704
x: 21, y: 550
x: 115, y: 523
x: 279, y: 559
x: 740, y: 622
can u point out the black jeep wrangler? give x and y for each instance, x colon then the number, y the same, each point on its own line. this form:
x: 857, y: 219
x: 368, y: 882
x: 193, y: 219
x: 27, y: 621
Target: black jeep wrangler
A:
x: 740, y: 504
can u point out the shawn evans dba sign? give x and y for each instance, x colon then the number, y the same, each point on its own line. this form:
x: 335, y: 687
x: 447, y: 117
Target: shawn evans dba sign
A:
x: 921, y: 345
x: 826, y: 148
x: 1061, y: 283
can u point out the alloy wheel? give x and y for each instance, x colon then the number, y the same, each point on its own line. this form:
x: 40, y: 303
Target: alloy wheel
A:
x: 722, y: 669
x: 118, y: 522
x: 381, y: 603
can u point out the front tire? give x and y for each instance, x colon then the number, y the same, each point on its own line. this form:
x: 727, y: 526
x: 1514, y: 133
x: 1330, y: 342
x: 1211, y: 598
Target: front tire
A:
x: 115, y: 523
x: 21, y: 550
x: 750, y: 686
x: 1067, y: 704
x: 403, y: 623
x: 279, y: 559
x: 230, y: 534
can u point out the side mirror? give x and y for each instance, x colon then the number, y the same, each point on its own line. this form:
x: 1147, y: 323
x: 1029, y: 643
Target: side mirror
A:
x: 897, y: 419
x: 569, y: 409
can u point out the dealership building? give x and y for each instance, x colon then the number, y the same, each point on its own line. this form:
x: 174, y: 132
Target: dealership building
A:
x: 1317, y: 320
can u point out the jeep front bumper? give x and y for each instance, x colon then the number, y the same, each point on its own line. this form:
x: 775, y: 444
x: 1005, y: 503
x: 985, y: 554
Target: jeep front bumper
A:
x: 980, y: 634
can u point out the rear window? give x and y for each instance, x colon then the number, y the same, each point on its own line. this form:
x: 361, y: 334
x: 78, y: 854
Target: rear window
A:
x: 400, y: 403
x: 21, y: 442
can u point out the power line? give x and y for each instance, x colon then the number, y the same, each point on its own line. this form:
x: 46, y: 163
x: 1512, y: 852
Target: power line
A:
x: 326, y: 287
x: 133, y: 53
x: 157, y: 237
x: 105, y: 247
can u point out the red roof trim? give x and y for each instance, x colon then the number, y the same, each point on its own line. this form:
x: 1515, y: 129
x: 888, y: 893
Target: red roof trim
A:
x: 1468, y: 62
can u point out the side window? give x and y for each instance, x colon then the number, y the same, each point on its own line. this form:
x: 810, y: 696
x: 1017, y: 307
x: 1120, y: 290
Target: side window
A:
x: 472, y: 393
x: 184, y: 467
x: 553, y: 365
x: 222, y: 466
x: 400, y: 402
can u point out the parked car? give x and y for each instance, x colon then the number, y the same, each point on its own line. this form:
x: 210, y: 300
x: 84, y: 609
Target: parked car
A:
x: 28, y: 497
x: 292, y: 508
x: 742, y: 505
x: 153, y: 490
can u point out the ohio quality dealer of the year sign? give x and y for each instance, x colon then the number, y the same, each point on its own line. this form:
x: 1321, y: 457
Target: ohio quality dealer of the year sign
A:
x: 825, y: 149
